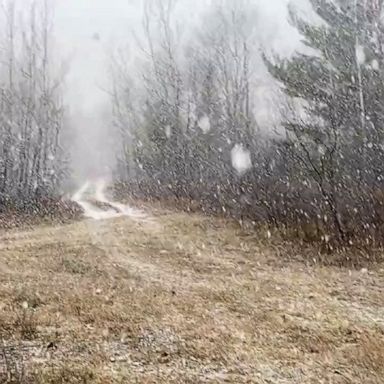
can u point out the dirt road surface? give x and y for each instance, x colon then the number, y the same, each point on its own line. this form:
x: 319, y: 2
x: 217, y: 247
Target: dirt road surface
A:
x: 179, y: 298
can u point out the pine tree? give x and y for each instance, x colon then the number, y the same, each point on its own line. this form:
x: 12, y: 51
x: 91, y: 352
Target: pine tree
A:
x: 336, y: 129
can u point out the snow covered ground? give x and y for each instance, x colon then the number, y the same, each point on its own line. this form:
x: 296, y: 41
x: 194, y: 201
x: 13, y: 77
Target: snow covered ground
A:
x: 93, y: 192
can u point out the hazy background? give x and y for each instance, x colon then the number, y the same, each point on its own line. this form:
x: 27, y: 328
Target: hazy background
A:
x: 89, y: 31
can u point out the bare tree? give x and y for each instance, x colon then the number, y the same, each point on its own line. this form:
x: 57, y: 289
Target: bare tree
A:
x: 31, y: 108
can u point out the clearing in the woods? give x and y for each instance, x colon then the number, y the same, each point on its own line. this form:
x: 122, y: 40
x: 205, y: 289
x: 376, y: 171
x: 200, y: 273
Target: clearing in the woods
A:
x: 177, y: 298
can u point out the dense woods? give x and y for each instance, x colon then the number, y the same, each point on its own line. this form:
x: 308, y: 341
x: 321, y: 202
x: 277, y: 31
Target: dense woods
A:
x: 32, y: 160
x: 186, y: 114
x: 189, y: 130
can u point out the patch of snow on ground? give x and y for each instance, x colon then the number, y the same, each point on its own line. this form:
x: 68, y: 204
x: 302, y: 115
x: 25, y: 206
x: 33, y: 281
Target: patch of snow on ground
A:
x: 84, y: 196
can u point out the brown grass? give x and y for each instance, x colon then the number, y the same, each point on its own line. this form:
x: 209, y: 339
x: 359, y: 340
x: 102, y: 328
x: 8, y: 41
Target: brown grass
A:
x: 16, y: 214
x: 181, y: 299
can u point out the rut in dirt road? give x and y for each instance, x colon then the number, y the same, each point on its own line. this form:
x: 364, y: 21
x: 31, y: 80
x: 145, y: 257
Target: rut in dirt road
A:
x: 92, y: 199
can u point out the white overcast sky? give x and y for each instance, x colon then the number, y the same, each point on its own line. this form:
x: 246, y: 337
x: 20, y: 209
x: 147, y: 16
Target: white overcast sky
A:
x: 77, y: 21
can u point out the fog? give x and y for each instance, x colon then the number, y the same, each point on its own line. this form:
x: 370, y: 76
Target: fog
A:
x: 87, y: 31
x: 90, y: 31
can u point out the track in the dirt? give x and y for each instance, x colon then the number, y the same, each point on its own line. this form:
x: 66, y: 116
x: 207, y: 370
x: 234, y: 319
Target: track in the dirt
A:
x: 92, y: 199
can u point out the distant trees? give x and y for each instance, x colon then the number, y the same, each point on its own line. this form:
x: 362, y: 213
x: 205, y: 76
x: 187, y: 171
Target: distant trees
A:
x: 32, y: 161
x: 323, y: 178
x: 195, y: 103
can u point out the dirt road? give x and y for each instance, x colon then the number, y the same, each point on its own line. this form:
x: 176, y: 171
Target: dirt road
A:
x: 180, y: 298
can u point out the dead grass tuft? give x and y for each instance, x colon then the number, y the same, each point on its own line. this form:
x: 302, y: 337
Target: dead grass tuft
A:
x: 26, y: 324
x: 369, y: 354
x: 67, y: 374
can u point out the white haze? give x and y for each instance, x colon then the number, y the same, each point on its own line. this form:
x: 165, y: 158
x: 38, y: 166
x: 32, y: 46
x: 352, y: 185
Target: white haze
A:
x: 88, y: 31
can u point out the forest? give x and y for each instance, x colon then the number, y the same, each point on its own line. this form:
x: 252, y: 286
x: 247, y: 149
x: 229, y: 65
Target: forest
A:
x: 185, y: 117
x: 33, y: 157
x: 190, y: 133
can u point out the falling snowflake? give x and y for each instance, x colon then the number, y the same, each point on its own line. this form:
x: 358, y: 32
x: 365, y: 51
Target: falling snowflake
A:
x: 168, y: 131
x: 241, y: 159
x: 205, y: 124
x: 375, y: 65
x: 360, y: 54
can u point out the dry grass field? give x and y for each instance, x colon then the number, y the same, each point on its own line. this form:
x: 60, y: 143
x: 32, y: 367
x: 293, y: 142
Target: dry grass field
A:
x: 181, y: 298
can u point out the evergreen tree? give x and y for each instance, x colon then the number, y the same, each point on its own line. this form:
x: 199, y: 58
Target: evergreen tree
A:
x: 336, y: 130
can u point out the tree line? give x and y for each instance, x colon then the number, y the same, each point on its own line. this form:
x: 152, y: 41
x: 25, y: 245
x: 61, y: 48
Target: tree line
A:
x: 32, y: 158
x: 188, y: 128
